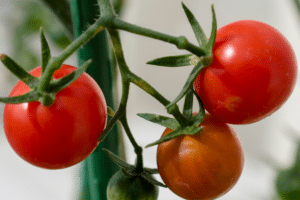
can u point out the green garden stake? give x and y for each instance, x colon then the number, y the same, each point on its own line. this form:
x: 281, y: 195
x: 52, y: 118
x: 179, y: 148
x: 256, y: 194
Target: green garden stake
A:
x: 97, y: 168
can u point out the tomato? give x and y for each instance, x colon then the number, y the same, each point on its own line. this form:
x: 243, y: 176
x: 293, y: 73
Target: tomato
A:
x: 63, y: 134
x: 253, y: 73
x: 201, y: 166
x: 128, y: 188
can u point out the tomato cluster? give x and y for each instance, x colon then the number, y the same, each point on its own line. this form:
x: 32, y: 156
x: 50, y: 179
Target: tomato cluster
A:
x: 253, y: 73
x: 63, y: 134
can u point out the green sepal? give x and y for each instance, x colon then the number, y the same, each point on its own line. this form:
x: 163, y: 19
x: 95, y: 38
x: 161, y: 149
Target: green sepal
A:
x: 188, y: 104
x: 175, y: 61
x: 198, y: 31
x: 28, y: 97
x: 110, y: 111
x: 129, y: 170
x: 152, y: 180
x: 201, y: 114
x: 189, y: 130
x: 18, y: 71
x: 213, y: 34
x: 59, y: 84
x: 161, y: 120
x: 193, y: 75
x: 46, y: 54
x: 118, y: 160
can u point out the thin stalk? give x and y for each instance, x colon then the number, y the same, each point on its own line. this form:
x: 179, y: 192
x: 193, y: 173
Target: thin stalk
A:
x: 137, y: 149
x: 181, y: 42
x: 56, y: 62
x: 106, y: 8
x: 127, y: 74
x: 81, y: 40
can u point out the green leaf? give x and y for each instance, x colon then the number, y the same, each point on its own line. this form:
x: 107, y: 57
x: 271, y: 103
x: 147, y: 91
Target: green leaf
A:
x: 28, y: 97
x: 288, y: 180
x: 118, y: 160
x: 288, y: 184
x: 18, y: 71
x: 175, y: 61
x: 188, y: 104
x: 59, y: 84
x: 296, y: 164
x: 161, y: 120
x: 198, y: 31
x: 213, y: 35
x: 46, y: 54
x: 193, y: 75
x: 152, y: 180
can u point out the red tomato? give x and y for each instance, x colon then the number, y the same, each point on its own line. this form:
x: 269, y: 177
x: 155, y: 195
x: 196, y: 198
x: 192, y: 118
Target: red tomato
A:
x: 202, y: 166
x: 63, y: 134
x: 253, y: 73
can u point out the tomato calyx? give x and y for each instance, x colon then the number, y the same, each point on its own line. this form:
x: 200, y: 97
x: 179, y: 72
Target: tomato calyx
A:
x: 135, y: 170
x: 178, y: 130
x: 204, y: 59
x: 42, y: 89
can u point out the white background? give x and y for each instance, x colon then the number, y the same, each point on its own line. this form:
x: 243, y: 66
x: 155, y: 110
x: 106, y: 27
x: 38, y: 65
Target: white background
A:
x: 267, y: 143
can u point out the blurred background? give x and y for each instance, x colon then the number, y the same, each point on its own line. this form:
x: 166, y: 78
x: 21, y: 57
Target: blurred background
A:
x: 269, y: 145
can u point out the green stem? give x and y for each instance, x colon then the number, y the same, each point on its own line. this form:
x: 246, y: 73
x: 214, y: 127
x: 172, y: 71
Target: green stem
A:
x: 106, y: 8
x: 99, y: 167
x: 56, y: 62
x: 81, y: 40
x: 113, y: 22
x: 127, y: 75
x: 181, y: 42
x: 137, y: 149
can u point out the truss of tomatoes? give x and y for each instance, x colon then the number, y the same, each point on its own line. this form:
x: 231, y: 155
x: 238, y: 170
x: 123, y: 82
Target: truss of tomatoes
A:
x: 253, y: 73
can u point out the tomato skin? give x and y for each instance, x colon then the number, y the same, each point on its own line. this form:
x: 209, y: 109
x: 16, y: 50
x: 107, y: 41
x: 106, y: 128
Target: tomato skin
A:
x: 63, y: 134
x: 202, y: 166
x: 253, y: 73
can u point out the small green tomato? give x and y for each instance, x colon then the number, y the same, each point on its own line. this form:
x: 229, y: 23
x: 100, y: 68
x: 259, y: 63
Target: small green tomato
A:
x: 121, y: 187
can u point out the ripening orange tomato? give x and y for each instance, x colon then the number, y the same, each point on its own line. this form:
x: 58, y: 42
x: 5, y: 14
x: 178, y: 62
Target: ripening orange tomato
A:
x: 202, y: 166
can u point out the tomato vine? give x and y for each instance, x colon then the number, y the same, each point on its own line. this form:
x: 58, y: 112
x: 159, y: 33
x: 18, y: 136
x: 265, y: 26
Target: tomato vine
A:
x: 184, y: 124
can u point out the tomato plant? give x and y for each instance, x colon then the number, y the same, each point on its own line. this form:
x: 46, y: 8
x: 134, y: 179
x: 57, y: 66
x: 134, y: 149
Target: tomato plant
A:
x: 253, y: 73
x: 125, y: 187
x: 201, y: 166
x: 63, y: 134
